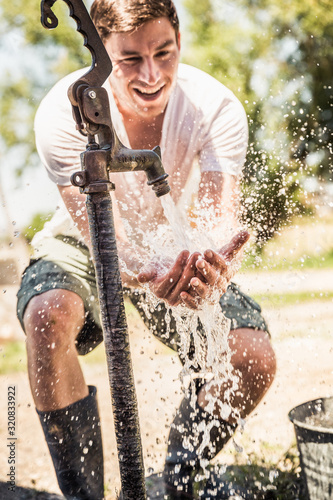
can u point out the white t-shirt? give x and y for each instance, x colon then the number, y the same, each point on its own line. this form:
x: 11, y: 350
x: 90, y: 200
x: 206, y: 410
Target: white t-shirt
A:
x: 204, y: 125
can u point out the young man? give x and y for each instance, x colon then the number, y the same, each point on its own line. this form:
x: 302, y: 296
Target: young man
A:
x: 154, y: 101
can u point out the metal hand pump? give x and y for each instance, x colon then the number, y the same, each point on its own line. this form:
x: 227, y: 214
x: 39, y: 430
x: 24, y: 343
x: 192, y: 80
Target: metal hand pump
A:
x: 105, y: 153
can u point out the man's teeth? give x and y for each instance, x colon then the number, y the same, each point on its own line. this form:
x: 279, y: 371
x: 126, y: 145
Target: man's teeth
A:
x: 148, y: 92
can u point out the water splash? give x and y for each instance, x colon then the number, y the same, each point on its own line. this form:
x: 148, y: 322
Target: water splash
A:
x: 203, y: 334
x: 203, y: 343
x: 177, y: 223
x: 198, y: 235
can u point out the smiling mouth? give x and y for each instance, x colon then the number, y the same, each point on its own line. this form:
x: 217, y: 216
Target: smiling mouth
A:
x: 148, y: 95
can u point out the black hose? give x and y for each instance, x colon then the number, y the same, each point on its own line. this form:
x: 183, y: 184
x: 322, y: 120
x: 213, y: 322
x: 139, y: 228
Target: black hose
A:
x: 116, y: 338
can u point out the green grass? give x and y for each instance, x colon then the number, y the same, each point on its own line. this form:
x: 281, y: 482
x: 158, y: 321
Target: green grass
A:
x: 257, y: 263
x: 289, y: 299
x: 13, y: 357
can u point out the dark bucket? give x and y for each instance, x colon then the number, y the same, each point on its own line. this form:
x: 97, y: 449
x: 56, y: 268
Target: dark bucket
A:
x: 313, y: 422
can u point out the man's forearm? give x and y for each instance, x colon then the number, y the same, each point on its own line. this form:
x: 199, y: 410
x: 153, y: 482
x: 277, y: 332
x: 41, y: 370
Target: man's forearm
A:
x: 130, y: 262
x: 75, y: 203
x: 219, y: 194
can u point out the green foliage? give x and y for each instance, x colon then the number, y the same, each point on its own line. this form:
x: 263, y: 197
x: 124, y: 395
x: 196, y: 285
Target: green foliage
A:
x: 16, y: 118
x: 52, y: 53
x: 278, y: 62
x: 24, y: 16
x: 13, y: 357
x: 36, y: 224
x: 307, y: 70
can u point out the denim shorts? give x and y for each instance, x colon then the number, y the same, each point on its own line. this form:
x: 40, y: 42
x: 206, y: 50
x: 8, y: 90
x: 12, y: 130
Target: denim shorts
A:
x: 64, y: 263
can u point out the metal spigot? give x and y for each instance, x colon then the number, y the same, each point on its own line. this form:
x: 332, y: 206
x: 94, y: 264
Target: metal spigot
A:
x: 156, y: 174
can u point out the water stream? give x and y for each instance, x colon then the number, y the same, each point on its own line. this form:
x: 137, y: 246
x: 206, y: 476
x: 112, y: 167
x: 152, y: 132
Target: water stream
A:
x: 206, y: 330
x: 178, y: 225
x: 204, y: 333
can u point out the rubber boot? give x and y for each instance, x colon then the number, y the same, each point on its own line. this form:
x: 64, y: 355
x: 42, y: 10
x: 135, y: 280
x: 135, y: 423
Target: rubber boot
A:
x: 73, y: 435
x: 185, y: 447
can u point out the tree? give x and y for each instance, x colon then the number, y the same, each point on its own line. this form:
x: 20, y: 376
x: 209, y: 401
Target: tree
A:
x: 307, y: 28
x: 278, y: 62
x: 45, y: 57
x: 48, y: 56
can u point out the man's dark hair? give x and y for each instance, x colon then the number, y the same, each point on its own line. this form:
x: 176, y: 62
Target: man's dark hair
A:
x: 114, y: 16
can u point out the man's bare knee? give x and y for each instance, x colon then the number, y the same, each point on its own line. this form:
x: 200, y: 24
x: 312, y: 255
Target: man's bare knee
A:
x: 254, y: 357
x: 55, y: 317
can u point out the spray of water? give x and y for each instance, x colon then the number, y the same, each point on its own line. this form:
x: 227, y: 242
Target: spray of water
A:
x: 203, y: 333
x: 179, y: 226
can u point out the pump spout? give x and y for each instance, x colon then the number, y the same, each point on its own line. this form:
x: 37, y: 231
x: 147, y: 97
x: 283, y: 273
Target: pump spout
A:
x: 149, y: 161
x: 160, y: 186
x: 156, y: 175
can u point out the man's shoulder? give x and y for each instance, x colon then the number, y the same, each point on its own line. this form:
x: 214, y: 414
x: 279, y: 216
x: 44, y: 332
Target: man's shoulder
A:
x: 60, y: 88
x: 203, y: 97
x: 56, y: 103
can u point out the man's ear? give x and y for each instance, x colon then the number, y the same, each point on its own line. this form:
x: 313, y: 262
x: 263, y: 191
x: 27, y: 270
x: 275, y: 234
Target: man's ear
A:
x: 178, y: 40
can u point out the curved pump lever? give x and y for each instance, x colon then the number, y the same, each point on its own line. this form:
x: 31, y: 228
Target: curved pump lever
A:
x: 101, y: 66
x: 48, y: 18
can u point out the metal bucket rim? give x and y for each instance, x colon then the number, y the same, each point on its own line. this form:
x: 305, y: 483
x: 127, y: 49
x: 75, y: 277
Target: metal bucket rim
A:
x: 299, y: 423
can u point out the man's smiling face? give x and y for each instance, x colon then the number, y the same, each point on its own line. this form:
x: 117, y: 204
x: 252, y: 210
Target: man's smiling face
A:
x: 145, y: 64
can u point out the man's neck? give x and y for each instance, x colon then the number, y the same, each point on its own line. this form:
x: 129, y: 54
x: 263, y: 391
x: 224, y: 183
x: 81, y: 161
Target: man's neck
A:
x: 143, y: 134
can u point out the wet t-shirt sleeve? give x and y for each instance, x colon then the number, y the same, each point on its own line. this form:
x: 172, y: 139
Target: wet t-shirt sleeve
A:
x: 58, y: 142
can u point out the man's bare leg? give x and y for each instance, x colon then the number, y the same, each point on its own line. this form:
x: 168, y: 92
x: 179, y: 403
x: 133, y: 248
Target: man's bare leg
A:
x: 52, y: 322
x: 67, y: 409
x: 254, y: 360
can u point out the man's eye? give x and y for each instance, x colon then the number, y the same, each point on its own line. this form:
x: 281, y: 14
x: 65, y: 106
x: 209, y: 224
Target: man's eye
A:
x: 131, y: 60
x: 163, y: 53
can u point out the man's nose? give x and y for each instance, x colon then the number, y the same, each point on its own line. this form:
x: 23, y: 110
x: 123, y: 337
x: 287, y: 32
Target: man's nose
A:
x: 149, y: 71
